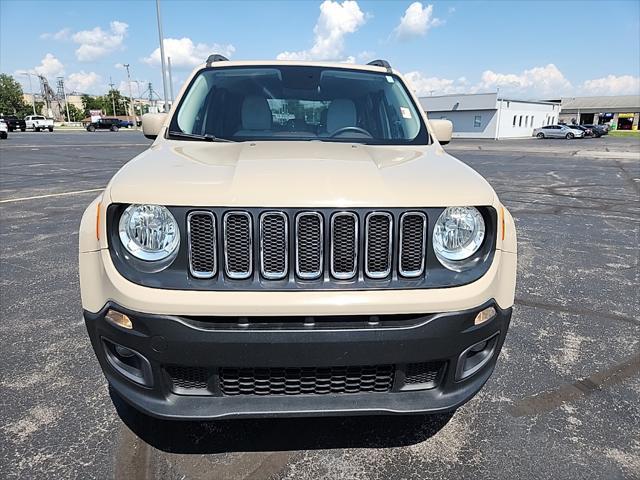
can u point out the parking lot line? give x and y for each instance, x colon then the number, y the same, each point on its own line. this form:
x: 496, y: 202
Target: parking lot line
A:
x: 63, y: 194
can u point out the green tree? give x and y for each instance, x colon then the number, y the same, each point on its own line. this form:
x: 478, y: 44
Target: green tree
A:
x: 92, y: 103
x: 11, y: 96
x: 75, y: 113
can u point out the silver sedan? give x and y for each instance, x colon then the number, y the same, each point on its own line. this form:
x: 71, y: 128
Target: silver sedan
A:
x: 558, y: 131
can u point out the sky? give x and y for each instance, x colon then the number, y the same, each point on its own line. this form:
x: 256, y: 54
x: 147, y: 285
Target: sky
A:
x: 542, y: 49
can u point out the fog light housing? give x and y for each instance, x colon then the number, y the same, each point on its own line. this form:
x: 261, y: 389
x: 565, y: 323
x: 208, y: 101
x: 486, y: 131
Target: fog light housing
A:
x: 475, y: 357
x: 129, y: 363
x: 119, y: 319
x: 484, y: 316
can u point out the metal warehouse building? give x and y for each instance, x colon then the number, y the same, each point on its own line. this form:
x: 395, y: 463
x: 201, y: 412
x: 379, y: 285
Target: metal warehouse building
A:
x: 622, y: 112
x: 485, y: 115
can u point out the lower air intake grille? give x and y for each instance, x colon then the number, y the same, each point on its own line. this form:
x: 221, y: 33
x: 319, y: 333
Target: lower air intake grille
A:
x: 422, y: 373
x: 188, y: 378
x: 306, y: 380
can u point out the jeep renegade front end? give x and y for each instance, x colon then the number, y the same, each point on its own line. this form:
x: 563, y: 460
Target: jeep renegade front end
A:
x: 296, y: 242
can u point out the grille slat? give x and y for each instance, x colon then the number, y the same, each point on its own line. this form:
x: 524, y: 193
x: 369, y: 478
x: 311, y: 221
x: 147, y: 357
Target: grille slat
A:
x: 413, y: 235
x: 202, y: 244
x: 238, y: 245
x: 274, y: 245
x: 344, y: 245
x: 309, y: 245
x: 306, y: 380
x: 379, y: 230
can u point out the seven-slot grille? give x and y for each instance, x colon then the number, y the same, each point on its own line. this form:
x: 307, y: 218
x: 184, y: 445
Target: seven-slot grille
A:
x: 307, y: 244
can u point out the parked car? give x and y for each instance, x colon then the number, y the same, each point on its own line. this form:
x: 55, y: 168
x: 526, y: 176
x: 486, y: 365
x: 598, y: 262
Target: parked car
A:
x: 224, y: 274
x: 598, y: 130
x: 112, y: 124
x: 4, y: 129
x: 582, y: 128
x: 38, y: 122
x: 125, y: 123
x: 14, y: 123
x: 558, y: 131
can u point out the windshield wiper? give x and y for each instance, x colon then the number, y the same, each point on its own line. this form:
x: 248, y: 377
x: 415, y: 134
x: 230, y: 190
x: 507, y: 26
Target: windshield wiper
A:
x: 207, y: 137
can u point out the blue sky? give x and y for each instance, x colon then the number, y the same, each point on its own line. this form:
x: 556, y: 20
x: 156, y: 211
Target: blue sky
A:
x: 526, y: 49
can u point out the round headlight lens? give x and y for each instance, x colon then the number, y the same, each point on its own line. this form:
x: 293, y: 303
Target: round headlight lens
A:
x: 149, y: 232
x: 457, y: 235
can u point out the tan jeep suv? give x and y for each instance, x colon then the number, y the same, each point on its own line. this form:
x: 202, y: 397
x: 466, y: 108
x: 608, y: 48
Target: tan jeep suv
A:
x: 296, y: 242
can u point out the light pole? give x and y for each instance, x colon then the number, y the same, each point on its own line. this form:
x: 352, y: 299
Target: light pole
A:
x: 33, y: 96
x: 131, y: 109
x: 164, y: 73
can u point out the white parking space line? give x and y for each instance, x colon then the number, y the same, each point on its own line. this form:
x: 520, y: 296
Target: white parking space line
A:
x: 63, y: 194
x: 81, y: 145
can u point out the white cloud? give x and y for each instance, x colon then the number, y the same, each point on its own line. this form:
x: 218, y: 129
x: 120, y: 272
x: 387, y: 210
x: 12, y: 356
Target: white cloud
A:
x: 545, y: 81
x: 336, y: 20
x: 59, y: 35
x: 83, y: 82
x: 185, y: 54
x: 49, y: 67
x: 424, y: 86
x: 97, y: 43
x: 416, y: 21
x: 612, y: 85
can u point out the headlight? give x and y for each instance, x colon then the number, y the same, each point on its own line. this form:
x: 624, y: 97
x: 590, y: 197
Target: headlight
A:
x: 149, y: 232
x: 457, y: 235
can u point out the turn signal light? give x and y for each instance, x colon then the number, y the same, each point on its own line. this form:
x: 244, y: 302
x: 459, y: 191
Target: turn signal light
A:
x: 485, y: 315
x: 119, y: 319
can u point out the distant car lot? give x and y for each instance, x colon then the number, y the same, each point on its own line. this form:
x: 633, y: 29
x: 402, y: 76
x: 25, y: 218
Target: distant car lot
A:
x: 563, y: 404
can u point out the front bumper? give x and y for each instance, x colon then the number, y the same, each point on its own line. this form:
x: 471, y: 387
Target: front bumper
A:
x: 213, y: 344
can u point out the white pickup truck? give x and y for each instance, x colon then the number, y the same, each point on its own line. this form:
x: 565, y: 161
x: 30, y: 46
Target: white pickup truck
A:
x: 39, y: 122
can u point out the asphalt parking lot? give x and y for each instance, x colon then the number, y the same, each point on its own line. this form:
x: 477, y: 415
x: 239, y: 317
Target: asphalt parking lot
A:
x: 563, y: 403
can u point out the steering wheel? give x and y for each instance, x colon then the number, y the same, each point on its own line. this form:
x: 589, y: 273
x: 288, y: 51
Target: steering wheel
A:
x: 346, y: 129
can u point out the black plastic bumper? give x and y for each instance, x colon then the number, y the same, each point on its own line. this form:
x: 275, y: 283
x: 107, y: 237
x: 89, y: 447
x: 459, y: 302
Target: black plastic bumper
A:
x: 347, y: 341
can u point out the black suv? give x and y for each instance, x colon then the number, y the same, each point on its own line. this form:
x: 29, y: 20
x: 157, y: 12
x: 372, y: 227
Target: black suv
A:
x: 14, y: 123
x: 112, y: 124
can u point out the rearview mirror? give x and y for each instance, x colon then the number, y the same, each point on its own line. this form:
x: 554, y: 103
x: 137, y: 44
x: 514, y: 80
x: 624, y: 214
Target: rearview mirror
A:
x: 152, y: 124
x: 442, y: 130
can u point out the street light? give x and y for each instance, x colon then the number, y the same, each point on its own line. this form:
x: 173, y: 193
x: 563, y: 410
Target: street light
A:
x: 33, y: 96
x: 164, y: 73
x: 132, y: 111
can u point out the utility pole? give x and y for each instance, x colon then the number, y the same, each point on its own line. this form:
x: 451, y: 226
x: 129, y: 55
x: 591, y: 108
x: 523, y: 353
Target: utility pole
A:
x: 131, y: 109
x: 164, y: 73
x: 66, y: 102
x: 113, y: 100
x: 33, y: 95
x: 170, y: 79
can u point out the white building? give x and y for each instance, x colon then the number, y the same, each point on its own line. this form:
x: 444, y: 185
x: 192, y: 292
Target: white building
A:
x: 485, y: 115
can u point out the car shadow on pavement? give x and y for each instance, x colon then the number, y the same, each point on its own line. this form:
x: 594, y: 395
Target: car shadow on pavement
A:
x: 281, y: 434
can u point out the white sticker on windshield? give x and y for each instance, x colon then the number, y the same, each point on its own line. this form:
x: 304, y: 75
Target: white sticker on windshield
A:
x: 406, y: 113
x: 389, y: 79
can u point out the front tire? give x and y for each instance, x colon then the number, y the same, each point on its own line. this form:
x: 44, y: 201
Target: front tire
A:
x: 91, y: 128
x: 114, y: 128
x: 36, y: 129
x: 569, y: 136
x: 51, y: 129
x: 23, y: 129
x: 3, y: 135
x: 540, y: 135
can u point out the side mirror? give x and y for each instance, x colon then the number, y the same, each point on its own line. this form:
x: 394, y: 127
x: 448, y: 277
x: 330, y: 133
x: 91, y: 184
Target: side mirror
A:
x: 442, y: 130
x: 152, y: 124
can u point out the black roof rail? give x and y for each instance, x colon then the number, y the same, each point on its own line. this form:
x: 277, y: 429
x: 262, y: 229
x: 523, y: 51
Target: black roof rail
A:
x: 380, y: 63
x: 216, y: 58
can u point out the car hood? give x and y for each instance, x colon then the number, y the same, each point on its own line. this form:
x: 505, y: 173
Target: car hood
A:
x: 297, y: 174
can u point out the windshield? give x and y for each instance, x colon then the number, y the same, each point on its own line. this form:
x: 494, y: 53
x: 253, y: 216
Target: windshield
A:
x: 299, y: 103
